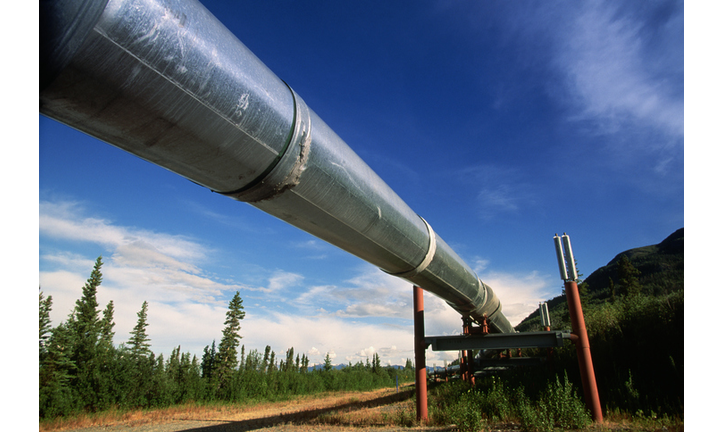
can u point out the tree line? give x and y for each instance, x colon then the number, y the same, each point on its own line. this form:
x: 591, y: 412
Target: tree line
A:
x: 81, y: 370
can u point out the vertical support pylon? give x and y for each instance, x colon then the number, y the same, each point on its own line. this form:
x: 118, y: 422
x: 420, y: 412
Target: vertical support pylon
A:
x: 584, y: 355
x: 568, y: 273
x: 422, y: 409
x: 467, y: 355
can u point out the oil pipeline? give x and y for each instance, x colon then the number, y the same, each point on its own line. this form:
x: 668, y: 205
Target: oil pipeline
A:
x: 167, y: 82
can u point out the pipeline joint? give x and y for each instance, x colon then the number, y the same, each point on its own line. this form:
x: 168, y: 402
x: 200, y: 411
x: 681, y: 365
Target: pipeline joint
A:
x: 285, y: 172
x: 427, y: 259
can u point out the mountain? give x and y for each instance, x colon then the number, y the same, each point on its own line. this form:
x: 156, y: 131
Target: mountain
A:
x: 661, y: 268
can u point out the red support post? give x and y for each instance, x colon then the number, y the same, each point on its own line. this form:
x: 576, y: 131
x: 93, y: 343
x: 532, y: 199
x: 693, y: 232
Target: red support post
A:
x: 467, y: 355
x: 422, y: 409
x: 584, y: 355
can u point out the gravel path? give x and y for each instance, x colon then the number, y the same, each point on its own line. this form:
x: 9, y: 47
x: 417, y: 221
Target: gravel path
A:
x: 298, y: 415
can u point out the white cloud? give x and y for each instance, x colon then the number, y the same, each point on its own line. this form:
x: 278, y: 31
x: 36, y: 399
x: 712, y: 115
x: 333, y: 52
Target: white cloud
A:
x: 341, y: 338
x: 369, y: 313
x: 66, y: 221
x: 372, y: 293
x: 185, y: 305
x: 282, y: 280
x: 519, y: 294
x: 480, y: 264
x: 367, y: 352
x: 609, y: 72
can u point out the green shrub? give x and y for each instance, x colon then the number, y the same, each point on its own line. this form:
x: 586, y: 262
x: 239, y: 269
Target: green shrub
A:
x: 467, y: 414
x: 563, y: 406
x: 471, y: 409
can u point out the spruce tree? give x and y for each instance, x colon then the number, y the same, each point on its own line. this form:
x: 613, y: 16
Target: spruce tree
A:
x: 266, y: 358
x: 612, y: 290
x: 289, y: 360
x: 106, y: 327
x: 242, y: 363
x: 304, y: 363
x: 376, y: 363
x: 628, y: 277
x: 272, y: 362
x: 57, y: 396
x: 327, y: 366
x: 44, y: 315
x: 83, y: 328
x: 228, y: 348
x: 139, y: 340
x: 84, y: 321
x: 208, y: 361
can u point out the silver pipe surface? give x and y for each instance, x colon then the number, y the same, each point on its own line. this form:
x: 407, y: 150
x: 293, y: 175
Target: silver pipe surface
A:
x: 166, y: 81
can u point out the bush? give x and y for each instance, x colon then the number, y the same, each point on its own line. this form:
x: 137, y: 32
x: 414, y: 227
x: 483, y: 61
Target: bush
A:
x: 563, y: 406
x: 471, y: 408
x: 466, y: 414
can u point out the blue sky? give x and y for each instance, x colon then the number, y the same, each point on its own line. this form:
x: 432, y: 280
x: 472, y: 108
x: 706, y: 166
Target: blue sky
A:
x: 500, y: 123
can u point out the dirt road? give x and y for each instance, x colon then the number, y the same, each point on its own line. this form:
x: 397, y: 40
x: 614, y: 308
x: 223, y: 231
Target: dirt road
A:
x: 366, y: 411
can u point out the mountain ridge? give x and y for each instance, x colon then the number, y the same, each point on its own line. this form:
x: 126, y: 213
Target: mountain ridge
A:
x: 661, y: 268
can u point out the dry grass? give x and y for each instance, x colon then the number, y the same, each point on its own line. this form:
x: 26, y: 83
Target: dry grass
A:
x: 371, y: 408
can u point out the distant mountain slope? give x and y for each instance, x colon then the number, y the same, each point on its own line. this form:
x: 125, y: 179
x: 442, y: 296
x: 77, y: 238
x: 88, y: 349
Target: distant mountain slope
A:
x: 661, y: 269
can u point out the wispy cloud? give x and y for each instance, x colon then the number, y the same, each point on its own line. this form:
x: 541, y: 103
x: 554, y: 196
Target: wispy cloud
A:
x: 501, y: 191
x: 615, y: 68
x: 66, y: 221
x: 372, y: 293
x: 282, y: 280
x: 604, y: 57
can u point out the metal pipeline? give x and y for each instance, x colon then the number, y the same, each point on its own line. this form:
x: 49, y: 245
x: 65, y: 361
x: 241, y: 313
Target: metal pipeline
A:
x: 166, y: 81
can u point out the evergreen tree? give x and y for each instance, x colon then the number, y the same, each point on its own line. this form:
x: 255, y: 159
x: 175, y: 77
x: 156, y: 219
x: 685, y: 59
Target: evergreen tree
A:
x: 45, y: 328
x: 55, y: 367
x: 106, y: 327
x: 84, y: 321
x: 376, y: 363
x: 84, y: 327
x: 56, y: 395
x: 628, y: 277
x: 139, y: 342
x: 327, y: 366
x: 266, y: 357
x: 228, y: 348
x: 612, y: 290
x: 272, y: 362
x: 208, y: 361
x: 304, y: 363
x: 289, y: 360
x: 242, y: 363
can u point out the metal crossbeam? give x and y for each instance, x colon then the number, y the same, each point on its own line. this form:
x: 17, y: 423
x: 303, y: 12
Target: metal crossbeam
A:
x: 499, y: 341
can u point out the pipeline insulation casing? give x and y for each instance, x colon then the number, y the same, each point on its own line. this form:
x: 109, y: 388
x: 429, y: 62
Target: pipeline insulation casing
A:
x: 166, y: 81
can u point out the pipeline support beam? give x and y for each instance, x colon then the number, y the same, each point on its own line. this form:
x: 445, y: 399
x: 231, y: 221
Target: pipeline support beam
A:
x: 568, y: 273
x: 499, y: 341
x: 422, y: 410
x: 584, y: 355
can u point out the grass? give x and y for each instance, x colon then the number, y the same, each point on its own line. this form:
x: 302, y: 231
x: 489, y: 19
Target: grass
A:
x: 451, y: 406
x: 333, y: 408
